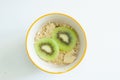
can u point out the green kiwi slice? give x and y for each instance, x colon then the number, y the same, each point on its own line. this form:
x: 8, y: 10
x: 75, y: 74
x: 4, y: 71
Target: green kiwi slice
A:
x: 65, y: 37
x: 47, y: 49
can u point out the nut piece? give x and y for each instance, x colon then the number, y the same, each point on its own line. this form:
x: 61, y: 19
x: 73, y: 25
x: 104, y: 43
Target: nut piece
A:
x: 69, y: 58
x: 59, y: 60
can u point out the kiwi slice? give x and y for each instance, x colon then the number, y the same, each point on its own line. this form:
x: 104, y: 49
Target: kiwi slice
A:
x: 65, y: 37
x: 47, y: 49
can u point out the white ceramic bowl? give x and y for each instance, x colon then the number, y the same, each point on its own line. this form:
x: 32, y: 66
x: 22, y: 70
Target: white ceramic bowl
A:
x: 57, y: 18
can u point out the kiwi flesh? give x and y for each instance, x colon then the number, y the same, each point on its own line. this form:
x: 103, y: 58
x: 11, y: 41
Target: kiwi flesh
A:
x: 65, y: 37
x: 47, y: 49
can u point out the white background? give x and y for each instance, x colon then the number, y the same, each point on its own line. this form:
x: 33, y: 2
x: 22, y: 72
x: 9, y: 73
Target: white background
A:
x: 99, y: 18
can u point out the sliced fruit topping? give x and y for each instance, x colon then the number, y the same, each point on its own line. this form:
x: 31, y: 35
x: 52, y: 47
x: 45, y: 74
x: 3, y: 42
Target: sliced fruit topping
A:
x: 47, y: 49
x: 65, y: 37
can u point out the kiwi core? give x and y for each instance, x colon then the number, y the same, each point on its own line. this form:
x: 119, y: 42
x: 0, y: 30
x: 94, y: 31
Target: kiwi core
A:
x: 46, y: 48
x: 64, y: 37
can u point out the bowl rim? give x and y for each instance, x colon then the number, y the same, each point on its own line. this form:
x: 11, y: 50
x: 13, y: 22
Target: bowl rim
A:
x: 39, y: 18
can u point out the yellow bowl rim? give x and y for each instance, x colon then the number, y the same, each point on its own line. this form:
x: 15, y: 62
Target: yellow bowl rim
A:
x: 40, y: 19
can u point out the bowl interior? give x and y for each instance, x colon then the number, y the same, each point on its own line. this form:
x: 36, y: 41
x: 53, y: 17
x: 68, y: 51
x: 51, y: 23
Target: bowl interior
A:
x: 57, y: 18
